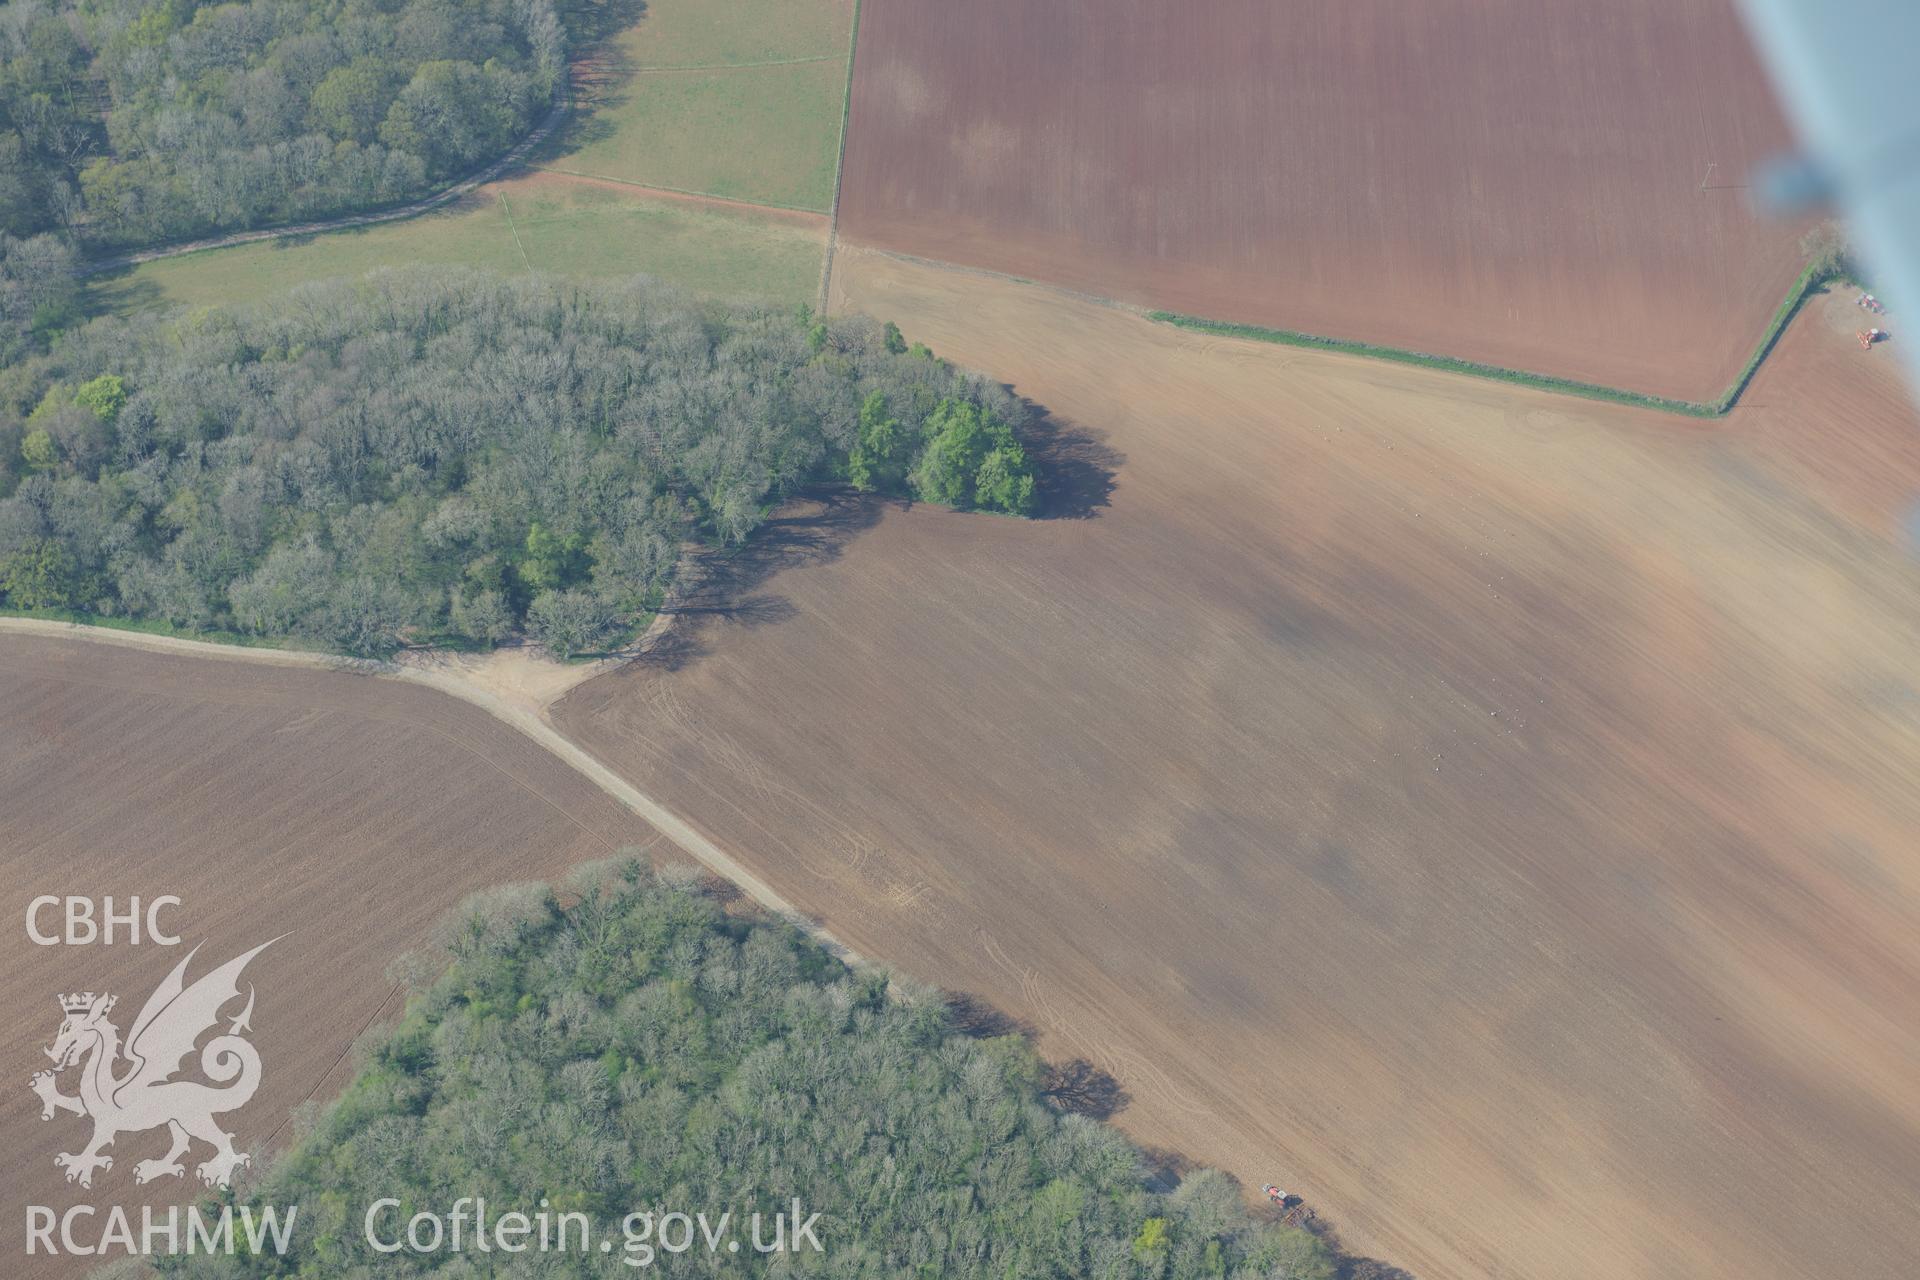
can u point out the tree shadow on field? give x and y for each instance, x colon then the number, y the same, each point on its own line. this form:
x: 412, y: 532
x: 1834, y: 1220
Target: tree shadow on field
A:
x: 592, y: 21
x: 1077, y: 1087
x: 1074, y: 466
x: 976, y: 1018
x: 119, y: 292
x: 1166, y: 1169
x: 1081, y: 1089
x: 599, y: 75
x: 724, y: 585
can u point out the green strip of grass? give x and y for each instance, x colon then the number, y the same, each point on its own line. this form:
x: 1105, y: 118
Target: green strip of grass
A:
x: 448, y: 641
x: 156, y: 627
x: 1807, y: 282
x: 1789, y: 308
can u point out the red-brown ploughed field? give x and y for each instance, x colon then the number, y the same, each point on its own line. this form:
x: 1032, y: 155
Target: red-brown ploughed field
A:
x: 1488, y: 813
x: 1516, y: 182
x: 344, y: 812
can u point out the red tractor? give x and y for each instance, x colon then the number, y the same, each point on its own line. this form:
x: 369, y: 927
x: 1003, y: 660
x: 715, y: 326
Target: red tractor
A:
x: 1293, y: 1209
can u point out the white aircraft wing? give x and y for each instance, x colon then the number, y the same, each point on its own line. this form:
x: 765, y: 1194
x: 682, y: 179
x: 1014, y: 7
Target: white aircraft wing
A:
x: 1846, y: 73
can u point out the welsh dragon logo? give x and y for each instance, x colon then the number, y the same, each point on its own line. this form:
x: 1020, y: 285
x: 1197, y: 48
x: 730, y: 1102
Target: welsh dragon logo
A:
x: 129, y: 1088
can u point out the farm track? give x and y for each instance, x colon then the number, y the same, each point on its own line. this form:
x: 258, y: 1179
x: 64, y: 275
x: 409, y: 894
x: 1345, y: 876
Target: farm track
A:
x: 272, y: 797
x: 448, y: 680
x: 348, y: 805
x: 1027, y: 873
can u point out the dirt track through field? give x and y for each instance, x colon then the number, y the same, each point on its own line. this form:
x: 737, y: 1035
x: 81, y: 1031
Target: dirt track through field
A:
x: 1487, y: 813
x: 1555, y: 186
x: 347, y: 812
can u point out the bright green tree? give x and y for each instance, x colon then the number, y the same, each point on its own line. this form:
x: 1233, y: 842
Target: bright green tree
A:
x: 41, y: 575
x: 874, y: 461
x: 38, y: 450
x: 1152, y: 1241
x: 552, y: 560
x: 1005, y: 481
x: 972, y: 459
x: 104, y: 395
x: 957, y: 443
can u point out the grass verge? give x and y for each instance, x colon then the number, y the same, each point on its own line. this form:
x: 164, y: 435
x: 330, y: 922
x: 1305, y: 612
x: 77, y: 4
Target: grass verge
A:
x: 616, y: 645
x: 1806, y: 284
x: 157, y: 627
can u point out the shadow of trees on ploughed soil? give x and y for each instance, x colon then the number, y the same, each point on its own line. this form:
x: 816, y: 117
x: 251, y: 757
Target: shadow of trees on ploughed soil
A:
x: 1081, y: 1089
x: 1074, y: 465
x: 1077, y: 1088
x: 726, y: 584
x: 974, y: 1017
x: 1075, y: 471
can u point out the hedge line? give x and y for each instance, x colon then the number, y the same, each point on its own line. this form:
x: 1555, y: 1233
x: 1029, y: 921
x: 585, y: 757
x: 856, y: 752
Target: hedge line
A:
x: 1807, y: 282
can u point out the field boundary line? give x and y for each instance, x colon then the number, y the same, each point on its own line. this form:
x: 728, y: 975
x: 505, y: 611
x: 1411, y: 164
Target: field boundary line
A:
x: 839, y: 166
x: 333, y: 1066
x: 710, y: 196
x: 988, y: 273
x: 508, y: 210
x: 1807, y: 282
x: 346, y: 222
x: 736, y: 66
x: 662, y: 819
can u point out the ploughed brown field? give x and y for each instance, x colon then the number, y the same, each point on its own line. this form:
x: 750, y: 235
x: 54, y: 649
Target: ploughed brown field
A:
x: 1487, y: 813
x: 344, y: 812
x: 1557, y: 186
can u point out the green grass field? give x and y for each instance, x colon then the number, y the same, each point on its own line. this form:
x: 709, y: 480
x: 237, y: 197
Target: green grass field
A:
x: 579, y: 229
x: 765, y: 134
x: 760, y: 121
x: 682, y: 33
x: 565, y: 227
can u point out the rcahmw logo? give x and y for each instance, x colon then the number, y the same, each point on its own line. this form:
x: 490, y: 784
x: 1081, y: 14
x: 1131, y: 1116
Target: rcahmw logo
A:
x: 131, y: 1085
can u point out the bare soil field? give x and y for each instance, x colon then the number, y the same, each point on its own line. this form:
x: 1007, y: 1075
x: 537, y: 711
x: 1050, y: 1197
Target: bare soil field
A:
x: 346, y: 812
x: 1486, y: 813
x: 1837, y: 421
x: 1558, y: 187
